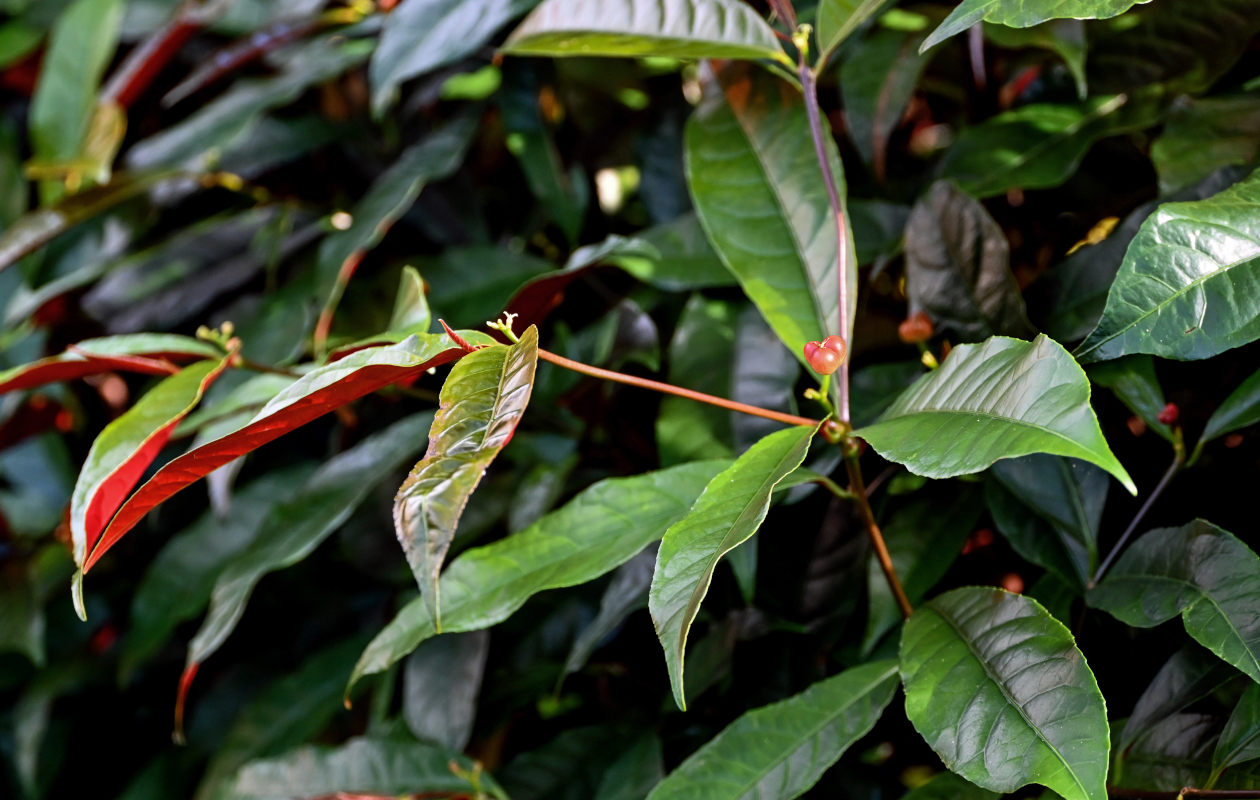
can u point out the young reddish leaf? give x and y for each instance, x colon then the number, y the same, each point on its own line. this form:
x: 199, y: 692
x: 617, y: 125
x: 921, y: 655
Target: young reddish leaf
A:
x: 482, y: 401
x: 126, y: 447
x: 141, y: 352
x: 310, y: 397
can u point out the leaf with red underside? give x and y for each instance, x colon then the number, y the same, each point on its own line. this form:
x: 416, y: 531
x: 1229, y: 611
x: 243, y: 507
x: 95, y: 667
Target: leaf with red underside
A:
x: 310, y: 397
x: 482, y: 401
x: 124, y: 450
x: 141, y: 352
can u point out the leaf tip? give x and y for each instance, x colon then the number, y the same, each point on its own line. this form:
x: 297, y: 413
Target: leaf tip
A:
x: 76, y: 595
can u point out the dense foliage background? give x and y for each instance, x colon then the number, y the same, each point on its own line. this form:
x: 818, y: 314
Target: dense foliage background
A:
x: 268, y: 189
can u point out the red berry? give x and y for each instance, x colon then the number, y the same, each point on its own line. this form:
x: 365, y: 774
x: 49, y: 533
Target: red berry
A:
x: 825, y: 361
x: 836, y: 343
x: 1170, y: 414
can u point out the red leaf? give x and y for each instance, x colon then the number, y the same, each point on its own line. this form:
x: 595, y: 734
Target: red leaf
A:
x: 146, y: 353
x: 313, y: 395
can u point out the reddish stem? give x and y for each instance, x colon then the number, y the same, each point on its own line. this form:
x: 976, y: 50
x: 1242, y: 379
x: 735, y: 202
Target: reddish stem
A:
x: 146, y: 61
x: 858, y: 489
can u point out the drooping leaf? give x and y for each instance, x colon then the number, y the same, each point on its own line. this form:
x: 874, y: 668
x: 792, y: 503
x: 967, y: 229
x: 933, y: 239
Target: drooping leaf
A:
x: 730, y: 510
x: 360, y: 766
x: 1190, y: 675
x: 595, y: 532
x: 1023, y: 14
x: 672, y: 28
x: 626, y: 593
x: 1203, y: 135
x: 999, y: 690
x: 420, y: 36
x: 1186, y: 289
x: 758, y: 196
x: 125, y: 448
x: 782, y: 749
x: 1064, y: 37
x: 958, y: 267
x: 1001, y: 399
x: 481, y: 404
x: 141, y: 352
x: 310, y: 397
x: 1240, y: 741
x: 836, y: 20
x: 1240, y: 409
x: 1198, y: 571
x: 1170, y: 754
x: 1134, y: 381
x: 441, y: 680
x: 877, y: 81
x: 294, y: 527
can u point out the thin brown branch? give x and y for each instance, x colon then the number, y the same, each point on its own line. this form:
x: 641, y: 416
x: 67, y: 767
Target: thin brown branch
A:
x: 669, y: 388
x: 1178, y: 460
x: 858, y: 489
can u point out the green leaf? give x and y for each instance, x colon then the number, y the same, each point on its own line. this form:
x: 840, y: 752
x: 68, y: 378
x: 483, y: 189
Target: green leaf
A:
x: 639, y: 768
x: 1240, y: 741
x: 730, y: 510
x: 108, y: 353
x: 877, y: 80
x: 999, y: 690
x: 700, y: 357
x: 1173, y: 753
x: 499, y: 272
x: 1001, y: 399
x: 360, y: 766
x: 420, y: 36
x: 1190, y: 675
x: 1188, y: 287
x: 1240, y: 409
x: 1199, y: 571
x: 836, y: 20
x: 958, y: 267
x: 1023, y: 14
x: 1134, y: 381
x: 1064, y: 37
x: 671, y: 28
x: 1203, y: 135
x: 684, y: 258
x: 781, y: 750
x: 482, y: 402
x: 298, y: 524
x: 758, y: 196
x: 441, y: 681
x: 625, y: 594
x: 948, y: 786
x: 598, y: 530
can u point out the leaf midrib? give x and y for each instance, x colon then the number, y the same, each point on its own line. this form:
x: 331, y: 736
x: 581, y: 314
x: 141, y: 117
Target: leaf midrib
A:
x: 990, y: 415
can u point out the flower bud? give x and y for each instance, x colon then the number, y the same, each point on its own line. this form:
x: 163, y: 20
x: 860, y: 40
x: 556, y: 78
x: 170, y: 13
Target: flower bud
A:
x: 916, y: 329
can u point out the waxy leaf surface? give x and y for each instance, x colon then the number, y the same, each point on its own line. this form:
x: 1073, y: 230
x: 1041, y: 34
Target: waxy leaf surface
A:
x: 481, y: 403
x: 835, y: 20
x: 597, y: 531
x: 672, y: 28
x: 999, y: 690
x: 1023, y: 14
x: 140, y: 352
x: 1000, y: 399
x: 730, y: 510
x: 1205, y: 574
x: 781, y: 750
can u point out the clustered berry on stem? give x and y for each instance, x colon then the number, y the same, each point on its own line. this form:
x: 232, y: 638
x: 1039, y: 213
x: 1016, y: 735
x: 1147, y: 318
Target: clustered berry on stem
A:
x: 825, y: 357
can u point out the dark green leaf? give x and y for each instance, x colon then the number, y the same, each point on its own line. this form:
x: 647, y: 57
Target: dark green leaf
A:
x: 441, y: 680
x: 1199, y: 571
x: 639, y: 768
x: 1188, y: 286
x: 958, y: 267
x: 1170, y: 754
x: 948, y: 786
x: 999, y: 690
x: 595, y: 532
x: 673, y: 28
x: 781, y: 750
x: 730, y: 510
x: 1190, y: 675
x: 499, y: 272
x: 1204, y: 135
x: 1240, y: 409
x: 482, y: 402
x: 700, y: 357
x: 1024, y: 14
x: 877, y: 81
x: 1240, y: 741
x: 298, y: 524
x: 1001, y: 399
x: 683, y: 260
x: 1064, y: 37
x: 625, y: 594
x: 566, y: 768
x: 876, y: 387
x: 758, y: 196
x: 763, y: 374
x: 836, y: 20
x: 1134, y: 381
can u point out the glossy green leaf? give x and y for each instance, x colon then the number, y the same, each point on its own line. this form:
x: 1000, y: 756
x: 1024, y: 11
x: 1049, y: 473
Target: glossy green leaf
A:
x: 836, y: 20
x: 730, y: 510
x: 684, y: 259
x: 1189, y: 287
x: 1001, y: 399
x: 1023, y: 14
x: 1200, y: 572
x: 499, y: 273
x: 758, y: 196
x: 958, y: 267
x: 1172, y: 753
x: 781, y: 750
x: 125, y: 448
x: 598, y: 530
x: 1134, y: 381
x: 441, y: 680
x: 102, y: 355
x: 625, y: 594
x: 420, y: 36
x: 569, y: 767
x: 1064, y: 37
x: 1188, y: 676
x: 948, y: 786
x: 1240, y: 741
x: 700, y: 357
x: 999, y: 690
x: 877, y: 80
x: 360, y: 766
x: 300, y: 522
x: 482, y: 402
x: 1203, y: 135
x: 1240, y: 409
x: 672, y: 28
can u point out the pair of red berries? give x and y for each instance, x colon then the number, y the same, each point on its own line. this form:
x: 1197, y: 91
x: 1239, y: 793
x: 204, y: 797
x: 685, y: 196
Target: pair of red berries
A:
x: 825, y: 357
